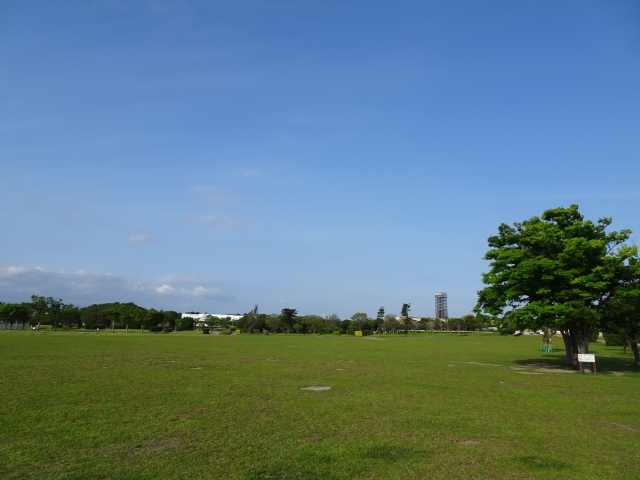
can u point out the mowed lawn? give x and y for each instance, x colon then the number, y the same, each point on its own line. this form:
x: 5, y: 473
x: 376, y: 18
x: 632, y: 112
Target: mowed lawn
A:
x: 187, y: 405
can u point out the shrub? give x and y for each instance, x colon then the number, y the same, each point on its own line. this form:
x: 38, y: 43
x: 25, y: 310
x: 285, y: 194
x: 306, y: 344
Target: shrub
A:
x: 186, y: 323
x: 613, y: 339
x: 351, y: 330
x: 366, y: 333
x: 205, y: 331
x: 167, y: 329
x: 337, y: 332
x: 225, y: 331
x: 594, y: 336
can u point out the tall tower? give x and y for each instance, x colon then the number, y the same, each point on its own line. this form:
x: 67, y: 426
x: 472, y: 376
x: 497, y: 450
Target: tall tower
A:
x: 441, y: 305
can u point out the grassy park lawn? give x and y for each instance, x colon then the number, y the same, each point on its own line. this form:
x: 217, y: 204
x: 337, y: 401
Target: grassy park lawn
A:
x: 186, y: 405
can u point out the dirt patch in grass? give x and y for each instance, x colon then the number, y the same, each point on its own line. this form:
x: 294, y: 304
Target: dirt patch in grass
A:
x: 316, y: 388
x: 628, y: 428
x: 468, y: 442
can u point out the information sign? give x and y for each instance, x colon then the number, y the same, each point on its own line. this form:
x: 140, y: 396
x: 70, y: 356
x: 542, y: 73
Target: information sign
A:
x: 586, y: 357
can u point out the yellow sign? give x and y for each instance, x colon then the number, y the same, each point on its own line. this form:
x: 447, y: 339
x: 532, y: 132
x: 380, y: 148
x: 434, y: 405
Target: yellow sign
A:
x: 237, y: 332
x: 358, y: 333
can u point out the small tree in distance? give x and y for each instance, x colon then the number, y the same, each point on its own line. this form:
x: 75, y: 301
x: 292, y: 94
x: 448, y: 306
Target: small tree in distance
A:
x: 404, y: 312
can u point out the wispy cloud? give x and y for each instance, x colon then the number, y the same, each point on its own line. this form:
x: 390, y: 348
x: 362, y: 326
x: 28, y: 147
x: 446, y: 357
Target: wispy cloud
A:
x: 18, y: 283
x: 250, y: 173
x: 221, y: 222
x: 140, y: 239
x: 211, y: 194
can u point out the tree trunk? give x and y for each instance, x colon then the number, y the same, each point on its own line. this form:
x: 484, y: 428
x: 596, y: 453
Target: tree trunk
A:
x: 574, y: 349
x: 581, y: 336
x: 141, y: 331
x: 127, y: 331
x: 632, y: 339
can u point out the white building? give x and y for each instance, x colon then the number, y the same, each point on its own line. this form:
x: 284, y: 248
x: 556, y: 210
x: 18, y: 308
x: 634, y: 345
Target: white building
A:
x: 203, y: 317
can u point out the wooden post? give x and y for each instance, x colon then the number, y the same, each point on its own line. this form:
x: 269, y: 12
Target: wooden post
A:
x: 594, y: 368
x: 580, y: 367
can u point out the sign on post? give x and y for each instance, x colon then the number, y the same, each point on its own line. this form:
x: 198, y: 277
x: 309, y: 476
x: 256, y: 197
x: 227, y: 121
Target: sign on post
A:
x: 587, y: 358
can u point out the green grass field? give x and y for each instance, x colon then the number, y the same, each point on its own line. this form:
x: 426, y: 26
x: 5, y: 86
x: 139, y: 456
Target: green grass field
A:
x: 187, y: 405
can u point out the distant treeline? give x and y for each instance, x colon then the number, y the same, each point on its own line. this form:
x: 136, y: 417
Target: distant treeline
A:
x: 54, y: 313
x: 289, y: 321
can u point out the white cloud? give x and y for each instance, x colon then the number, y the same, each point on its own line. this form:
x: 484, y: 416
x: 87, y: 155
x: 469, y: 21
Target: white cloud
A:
x: 165, y: 289
x: 202, y: 292
x: 140, y: 239
x: 82, y: 287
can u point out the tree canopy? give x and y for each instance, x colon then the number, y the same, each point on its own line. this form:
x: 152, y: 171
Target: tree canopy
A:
x: 558, y: 270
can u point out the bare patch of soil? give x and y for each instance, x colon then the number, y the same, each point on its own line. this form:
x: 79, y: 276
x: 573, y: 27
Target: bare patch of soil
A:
x: 468, y: 442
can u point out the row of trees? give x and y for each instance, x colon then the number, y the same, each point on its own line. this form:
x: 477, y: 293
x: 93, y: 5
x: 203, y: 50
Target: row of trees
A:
x: 289, y: 321
x: 562, y: 272
x: 55, y: 313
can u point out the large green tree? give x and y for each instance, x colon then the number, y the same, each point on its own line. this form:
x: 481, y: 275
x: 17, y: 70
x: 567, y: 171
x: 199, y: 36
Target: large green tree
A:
x: 45, y: 310
x: 11, y: 313
x: 288, y: 316
x: 557, y: 271
x: 623, y: 314
x: 360, y: 318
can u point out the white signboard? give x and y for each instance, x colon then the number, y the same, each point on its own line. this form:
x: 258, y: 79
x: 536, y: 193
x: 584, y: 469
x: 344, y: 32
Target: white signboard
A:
x: 586, y: 357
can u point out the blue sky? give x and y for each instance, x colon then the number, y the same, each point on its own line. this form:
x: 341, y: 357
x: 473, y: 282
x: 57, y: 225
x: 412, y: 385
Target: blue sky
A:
x: 324, y: 156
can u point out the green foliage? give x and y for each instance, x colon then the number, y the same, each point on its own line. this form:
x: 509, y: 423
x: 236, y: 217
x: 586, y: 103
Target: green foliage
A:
x: 187, y: 323
x: 360, y: 319
x: 390, y: 324
x: 288, y: 316
x: 205, y: 330
x: 337, y: 332
x: 100, y: 315
x: 612, y: 339
x: 14, y: 313
x: 557, y: 270
x: 406, y: 308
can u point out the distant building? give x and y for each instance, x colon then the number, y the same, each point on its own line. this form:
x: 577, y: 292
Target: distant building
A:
x: 202, y: 317
x: 441, y: 305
